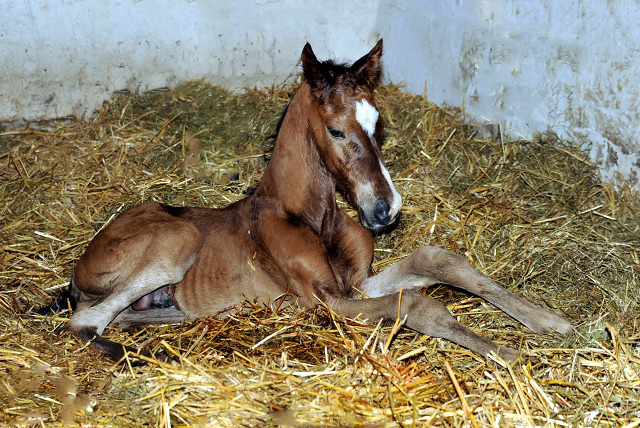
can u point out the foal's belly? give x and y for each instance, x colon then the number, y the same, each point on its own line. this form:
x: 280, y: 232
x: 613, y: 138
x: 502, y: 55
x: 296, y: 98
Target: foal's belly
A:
x: 224, y: 274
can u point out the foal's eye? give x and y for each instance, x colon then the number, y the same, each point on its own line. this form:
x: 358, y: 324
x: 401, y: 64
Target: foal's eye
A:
x: 336, y: 133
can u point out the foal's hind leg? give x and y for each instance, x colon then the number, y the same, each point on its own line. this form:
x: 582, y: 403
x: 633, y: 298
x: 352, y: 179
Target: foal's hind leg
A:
x: 141, y: 251
x: 432, y: 265
x: 88, y: 324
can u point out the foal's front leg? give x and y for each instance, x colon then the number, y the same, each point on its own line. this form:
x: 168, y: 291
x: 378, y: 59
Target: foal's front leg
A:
x: 432, y: 265
x: 422, y: 314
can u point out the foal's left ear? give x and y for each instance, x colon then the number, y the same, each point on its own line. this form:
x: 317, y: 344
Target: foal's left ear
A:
x: 368, y: 68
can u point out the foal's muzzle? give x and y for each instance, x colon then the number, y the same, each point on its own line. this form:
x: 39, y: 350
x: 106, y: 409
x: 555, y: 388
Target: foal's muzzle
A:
x: 381, y: 212
x: 378, y: 217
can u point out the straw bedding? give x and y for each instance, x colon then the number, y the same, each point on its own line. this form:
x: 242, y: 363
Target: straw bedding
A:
x: 533, y: 215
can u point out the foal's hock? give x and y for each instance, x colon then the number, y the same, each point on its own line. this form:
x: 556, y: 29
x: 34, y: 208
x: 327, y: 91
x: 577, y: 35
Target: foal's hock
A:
x: 161, y: 264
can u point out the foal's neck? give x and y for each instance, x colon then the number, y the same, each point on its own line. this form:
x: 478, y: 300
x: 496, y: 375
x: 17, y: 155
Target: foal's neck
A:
x: 296, y: 177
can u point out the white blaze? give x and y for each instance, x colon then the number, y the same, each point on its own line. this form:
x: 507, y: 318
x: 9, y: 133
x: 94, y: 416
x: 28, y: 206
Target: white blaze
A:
x: 367, y: 116
x: 396, y: 203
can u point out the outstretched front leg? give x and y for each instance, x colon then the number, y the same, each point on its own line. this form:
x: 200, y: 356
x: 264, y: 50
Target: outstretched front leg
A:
x: 422, y: 314
x: 432, y: 265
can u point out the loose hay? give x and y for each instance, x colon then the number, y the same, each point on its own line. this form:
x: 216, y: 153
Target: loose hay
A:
x: 531, y: 214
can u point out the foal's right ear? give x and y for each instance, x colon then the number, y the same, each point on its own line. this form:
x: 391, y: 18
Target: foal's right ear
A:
x: 311, y: 68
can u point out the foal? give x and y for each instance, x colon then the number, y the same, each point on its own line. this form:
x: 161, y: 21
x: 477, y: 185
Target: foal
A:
x: 160, y: 264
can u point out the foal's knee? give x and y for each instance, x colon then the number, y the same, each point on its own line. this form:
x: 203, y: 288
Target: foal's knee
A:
x: 438, y: 259
x: 425, y: 314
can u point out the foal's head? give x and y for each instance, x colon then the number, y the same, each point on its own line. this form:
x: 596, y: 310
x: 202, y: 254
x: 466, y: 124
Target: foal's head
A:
x: 351, y: 133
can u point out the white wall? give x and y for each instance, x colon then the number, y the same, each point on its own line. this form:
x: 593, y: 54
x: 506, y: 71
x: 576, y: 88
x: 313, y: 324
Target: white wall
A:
x: 65, y: 57
x: 532, y: 66
x: 570, y: 67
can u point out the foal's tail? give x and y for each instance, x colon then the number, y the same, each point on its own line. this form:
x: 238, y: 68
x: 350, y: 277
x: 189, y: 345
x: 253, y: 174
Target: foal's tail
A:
x: 65, y: 300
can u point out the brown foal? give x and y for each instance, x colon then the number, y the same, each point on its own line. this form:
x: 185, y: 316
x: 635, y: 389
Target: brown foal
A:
x: 161, y: 264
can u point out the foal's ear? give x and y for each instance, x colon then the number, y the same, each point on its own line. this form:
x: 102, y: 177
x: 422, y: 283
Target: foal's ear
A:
x: 368, y: 68
x: 311, y: 67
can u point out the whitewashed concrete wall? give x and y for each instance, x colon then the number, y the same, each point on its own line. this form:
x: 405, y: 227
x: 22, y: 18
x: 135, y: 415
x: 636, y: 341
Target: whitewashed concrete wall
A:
x: 65, y: 57
x: 567, y: 67
x: 570, y: 67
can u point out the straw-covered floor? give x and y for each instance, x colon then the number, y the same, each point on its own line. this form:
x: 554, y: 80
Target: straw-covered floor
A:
x: 533, y: 215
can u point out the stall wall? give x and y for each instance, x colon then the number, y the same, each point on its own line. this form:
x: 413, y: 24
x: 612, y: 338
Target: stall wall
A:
x: 531, y: 66
x: 567, y: 67
x: 66, y: 57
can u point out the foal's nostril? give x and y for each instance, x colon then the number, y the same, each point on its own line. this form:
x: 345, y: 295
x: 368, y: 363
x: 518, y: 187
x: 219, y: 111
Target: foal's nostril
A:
x: 381, y: 211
